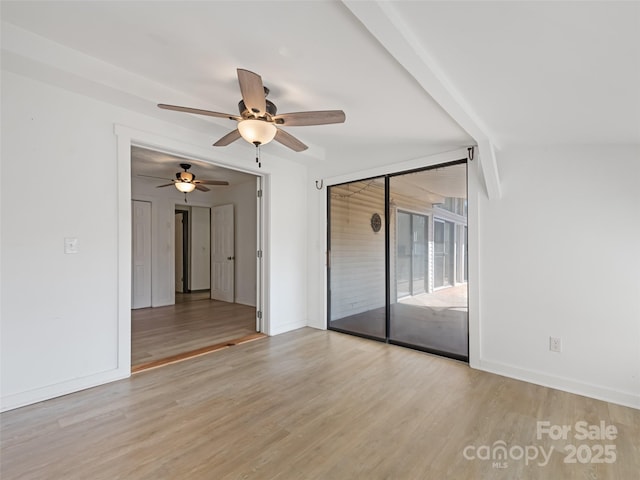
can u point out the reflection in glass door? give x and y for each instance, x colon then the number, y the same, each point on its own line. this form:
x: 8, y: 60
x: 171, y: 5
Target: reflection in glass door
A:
x: 357, y: 289
x: 403, y: 255
x: 443, y: 253
x: 412, y: 249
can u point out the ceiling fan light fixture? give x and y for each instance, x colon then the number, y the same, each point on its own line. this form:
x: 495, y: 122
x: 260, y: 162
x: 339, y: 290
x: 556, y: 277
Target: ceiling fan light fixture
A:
x: 185, y: 187
x: 186, y: 176
x: 257, y: 132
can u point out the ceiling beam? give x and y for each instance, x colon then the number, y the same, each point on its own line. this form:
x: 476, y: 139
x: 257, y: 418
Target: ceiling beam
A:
x: 385, y: 23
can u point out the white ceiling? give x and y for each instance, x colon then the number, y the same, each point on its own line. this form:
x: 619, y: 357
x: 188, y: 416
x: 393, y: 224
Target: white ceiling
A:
x: 529, y: 72
x: 148, y: 163
x: 549, y: 72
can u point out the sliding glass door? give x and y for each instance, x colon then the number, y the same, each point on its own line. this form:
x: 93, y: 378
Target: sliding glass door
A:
x: 397, y: 269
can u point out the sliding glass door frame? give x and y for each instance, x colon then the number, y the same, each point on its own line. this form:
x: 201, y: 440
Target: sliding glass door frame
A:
x: 388, y: 273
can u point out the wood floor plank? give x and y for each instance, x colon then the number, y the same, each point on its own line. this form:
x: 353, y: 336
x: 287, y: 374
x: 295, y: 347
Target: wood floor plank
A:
x: 162, y: 332
x: 195, y: 353
x: 307, y: 404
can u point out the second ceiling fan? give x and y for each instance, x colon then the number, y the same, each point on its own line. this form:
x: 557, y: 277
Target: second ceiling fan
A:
x: 258, y: 121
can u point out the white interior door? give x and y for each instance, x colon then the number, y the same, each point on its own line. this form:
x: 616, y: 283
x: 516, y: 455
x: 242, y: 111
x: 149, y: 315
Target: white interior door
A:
x: 222, y: 253
x: 141, y: 254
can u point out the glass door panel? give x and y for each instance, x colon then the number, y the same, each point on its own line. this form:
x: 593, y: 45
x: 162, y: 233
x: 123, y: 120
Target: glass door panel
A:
x: 357, y: 279
x: 432, y: 313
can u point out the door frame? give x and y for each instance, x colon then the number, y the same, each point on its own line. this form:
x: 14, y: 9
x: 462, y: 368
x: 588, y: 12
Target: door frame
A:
x: 126, y: 137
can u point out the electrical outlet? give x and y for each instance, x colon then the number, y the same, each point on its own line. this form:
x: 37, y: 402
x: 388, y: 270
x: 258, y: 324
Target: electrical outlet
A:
x: 70, y: 245
x: 555, y: 344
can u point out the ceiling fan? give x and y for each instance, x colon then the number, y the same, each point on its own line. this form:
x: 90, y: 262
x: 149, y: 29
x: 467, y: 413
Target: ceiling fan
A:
x: 258, y: 122
x: 186, y: 181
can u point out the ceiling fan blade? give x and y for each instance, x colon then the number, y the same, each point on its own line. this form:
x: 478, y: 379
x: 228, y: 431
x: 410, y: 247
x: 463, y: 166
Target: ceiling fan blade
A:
x: 212, y: 182
x: 166, y: 185
x: 252, y: 91
x: 290, y: 141
x: 201, y: 188
x: 152, y: 176
x: 230, y: 137
x: 323, y: 117
x: 198, y: 111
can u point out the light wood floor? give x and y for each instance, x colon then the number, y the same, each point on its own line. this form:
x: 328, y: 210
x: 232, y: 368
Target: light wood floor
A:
x: 162, y: 332
x: 307, y: 404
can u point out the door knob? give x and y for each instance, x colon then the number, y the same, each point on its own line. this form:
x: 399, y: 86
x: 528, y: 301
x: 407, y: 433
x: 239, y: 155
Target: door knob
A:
x: 231, y: 258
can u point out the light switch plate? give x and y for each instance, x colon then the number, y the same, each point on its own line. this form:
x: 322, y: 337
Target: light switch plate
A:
x: 70, y: 245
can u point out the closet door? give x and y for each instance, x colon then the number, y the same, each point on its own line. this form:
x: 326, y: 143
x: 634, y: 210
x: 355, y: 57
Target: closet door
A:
x: 140, y: 254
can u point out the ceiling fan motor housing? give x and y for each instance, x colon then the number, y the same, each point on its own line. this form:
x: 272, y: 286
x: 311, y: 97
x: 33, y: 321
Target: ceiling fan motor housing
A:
x: 246, y: 113
x: 185, y: 176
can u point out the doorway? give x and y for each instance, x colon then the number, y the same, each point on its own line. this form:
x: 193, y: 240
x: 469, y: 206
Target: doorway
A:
x: 181, y: 251
x: 397, y: 259
x: 192, y: 252
x: 184, y: 236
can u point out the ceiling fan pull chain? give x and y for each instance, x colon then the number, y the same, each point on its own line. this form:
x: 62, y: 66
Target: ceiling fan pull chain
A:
x: 185, y: 197
x: 258, y: 155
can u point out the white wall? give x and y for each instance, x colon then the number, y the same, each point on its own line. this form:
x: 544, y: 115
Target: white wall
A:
x: 557, y: 255
x: 62, y: 320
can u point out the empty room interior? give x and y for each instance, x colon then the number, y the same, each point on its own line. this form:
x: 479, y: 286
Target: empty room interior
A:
x: 320, y: 240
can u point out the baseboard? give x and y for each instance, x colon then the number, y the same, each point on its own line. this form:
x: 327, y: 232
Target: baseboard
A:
x: 286, y: 327
x: 17, y: 400
x: 626, y: 399
x: 247, y: 302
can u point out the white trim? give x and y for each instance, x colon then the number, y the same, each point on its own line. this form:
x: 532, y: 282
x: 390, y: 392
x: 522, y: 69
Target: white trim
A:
x: 400, y: 167
x: 17, y: 400
x: 489, y: 165
x: 124, y: 251
x: 473, y: 262
x: 259, y: 262
x: 565, y: 384
x: 287, y: 327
